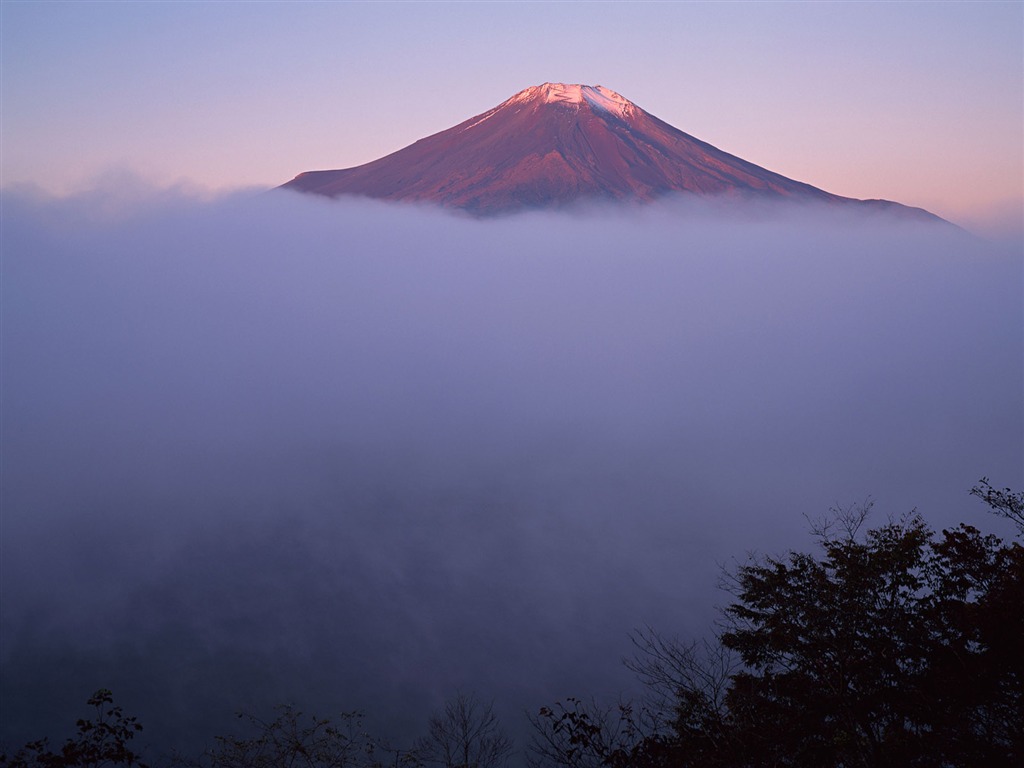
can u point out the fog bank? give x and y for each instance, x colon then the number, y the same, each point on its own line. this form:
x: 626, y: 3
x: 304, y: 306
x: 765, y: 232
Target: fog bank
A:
x: 273, y: 448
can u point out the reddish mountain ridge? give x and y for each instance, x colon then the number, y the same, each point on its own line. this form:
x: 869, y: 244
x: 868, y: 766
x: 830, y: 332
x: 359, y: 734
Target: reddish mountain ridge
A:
x: 556, y: 144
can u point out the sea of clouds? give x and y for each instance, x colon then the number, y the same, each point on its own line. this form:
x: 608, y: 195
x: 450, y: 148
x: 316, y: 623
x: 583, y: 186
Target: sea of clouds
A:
x: 269, y: 448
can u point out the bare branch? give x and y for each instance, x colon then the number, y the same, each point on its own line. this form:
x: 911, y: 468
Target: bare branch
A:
x: 466, y: 734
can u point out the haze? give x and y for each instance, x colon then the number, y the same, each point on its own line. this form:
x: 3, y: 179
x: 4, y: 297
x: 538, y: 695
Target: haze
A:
x: 274, y: 448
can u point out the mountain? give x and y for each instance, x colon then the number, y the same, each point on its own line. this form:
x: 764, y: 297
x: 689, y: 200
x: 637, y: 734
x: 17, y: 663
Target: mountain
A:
x: 556, y: 144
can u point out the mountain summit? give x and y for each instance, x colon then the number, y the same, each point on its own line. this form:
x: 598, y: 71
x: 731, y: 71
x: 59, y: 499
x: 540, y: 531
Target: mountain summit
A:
x: 556, y: 144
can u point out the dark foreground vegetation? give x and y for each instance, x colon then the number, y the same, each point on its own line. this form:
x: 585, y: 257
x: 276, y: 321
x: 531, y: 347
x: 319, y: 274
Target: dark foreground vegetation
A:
x: 891, y: 646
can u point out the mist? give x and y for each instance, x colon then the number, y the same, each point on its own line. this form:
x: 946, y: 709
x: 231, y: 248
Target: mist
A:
x: 270, y: 448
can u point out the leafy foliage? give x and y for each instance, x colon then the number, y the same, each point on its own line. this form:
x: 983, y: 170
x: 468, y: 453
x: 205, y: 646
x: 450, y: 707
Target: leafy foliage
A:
x: 893, y: 647
x: 884, y: 651
x: 582, y: 734
x: 101, y: 741
x: 1005, y: 503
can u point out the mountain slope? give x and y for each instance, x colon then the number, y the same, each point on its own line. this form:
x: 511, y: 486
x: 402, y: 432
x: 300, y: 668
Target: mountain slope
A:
x: 556, y: 144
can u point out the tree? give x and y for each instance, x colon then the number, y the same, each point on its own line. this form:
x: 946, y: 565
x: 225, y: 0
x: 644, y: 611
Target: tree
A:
x: 100, y: 742
x: 296, y: 741
x: 466, y: 734
x: 894, y: 646
x: 579, y: 734
x: 685, y: 709
x: 1005, y: 503
x: 829, y: 646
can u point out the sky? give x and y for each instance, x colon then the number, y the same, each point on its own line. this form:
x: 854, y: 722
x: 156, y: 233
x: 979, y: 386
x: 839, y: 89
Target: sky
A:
x: 921, y: 103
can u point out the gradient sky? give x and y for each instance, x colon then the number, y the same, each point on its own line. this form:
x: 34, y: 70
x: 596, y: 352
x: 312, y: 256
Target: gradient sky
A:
x: 917, y: 102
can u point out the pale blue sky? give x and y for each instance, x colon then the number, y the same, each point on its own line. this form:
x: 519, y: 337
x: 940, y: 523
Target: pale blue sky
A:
x: 918, y: 102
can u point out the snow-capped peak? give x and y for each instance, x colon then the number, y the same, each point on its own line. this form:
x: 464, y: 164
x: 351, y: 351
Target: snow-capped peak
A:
x: 596, y: 96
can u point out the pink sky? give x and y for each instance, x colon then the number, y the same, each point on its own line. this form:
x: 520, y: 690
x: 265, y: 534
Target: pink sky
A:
x: 917, y: 102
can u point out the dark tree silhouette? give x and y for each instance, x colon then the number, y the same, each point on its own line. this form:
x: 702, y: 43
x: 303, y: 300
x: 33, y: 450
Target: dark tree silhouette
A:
x: 297, y: 741
x: 898, y: 647
x: 1005, y: 503
x: 580, y: 734
x: 465, y: 734
x: 891, y: 647
x: 100, y: 742
x: 687, y: 688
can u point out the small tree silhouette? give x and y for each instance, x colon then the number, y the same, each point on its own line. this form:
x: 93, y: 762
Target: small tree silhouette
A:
x: 293, y: 739
x: 102, y: 741
x: 466, y: 734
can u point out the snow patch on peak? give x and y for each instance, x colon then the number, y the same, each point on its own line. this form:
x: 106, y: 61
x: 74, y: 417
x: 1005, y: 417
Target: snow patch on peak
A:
x: 597, y: 96
x: 608, y: 100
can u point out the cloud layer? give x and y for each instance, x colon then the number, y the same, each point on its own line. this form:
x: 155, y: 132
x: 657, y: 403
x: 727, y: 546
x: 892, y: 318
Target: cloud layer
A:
x: 273, y: 448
